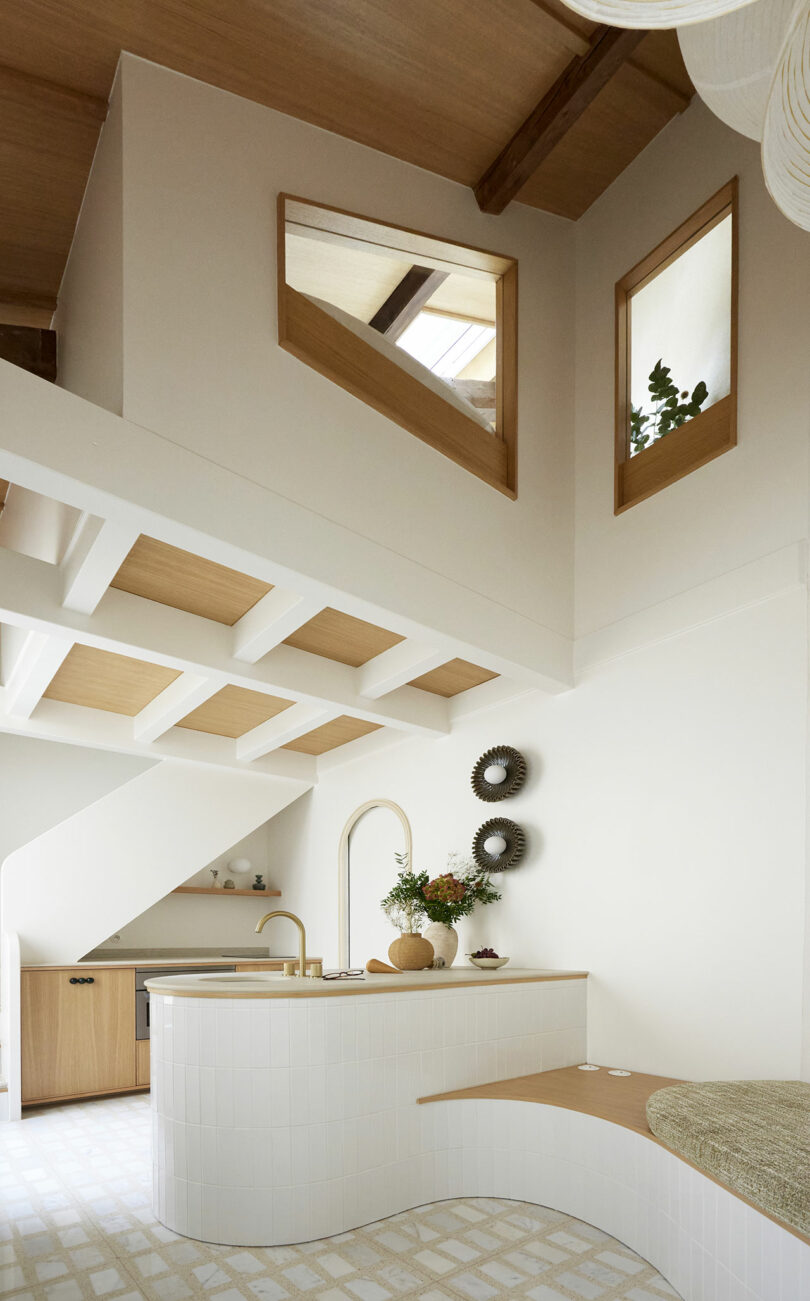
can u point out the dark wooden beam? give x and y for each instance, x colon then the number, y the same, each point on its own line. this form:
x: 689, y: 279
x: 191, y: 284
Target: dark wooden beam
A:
x: 556, y: 113
x: 406, y: 301
x: 33, y: 349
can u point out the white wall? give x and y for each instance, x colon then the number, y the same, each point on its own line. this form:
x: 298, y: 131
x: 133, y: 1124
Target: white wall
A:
x: 192, y: 921
x: 753, y: 499
x: 89, y: 320
x: 665, y: 820
x: 105, y: 863
x: 202, y: 170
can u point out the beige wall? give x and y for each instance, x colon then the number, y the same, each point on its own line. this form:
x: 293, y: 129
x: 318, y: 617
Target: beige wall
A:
x: 90, y: 316
x: 751, y: 500
x: 202, y: 366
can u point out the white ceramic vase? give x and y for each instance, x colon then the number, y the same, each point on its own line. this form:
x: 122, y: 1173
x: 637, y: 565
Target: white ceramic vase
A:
x: 445, y: 943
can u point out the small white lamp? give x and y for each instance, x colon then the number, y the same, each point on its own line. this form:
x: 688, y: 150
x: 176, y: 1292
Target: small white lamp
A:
x: 495, y: 774
x: 494, y: 845
x: 239, y: 866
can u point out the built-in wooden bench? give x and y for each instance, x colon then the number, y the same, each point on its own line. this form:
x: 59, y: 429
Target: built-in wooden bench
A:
x: 707, y: 1239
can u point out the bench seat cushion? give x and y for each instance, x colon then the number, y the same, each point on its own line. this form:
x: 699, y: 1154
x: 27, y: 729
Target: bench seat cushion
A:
x: 752, y: 1135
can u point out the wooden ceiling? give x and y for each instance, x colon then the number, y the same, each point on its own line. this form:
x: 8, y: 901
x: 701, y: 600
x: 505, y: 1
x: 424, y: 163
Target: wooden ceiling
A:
x: 234, y: 711
x: 341, y: 637
x: 452, y: 678
x: 103, y: 680
x: 330, y: 735
x: 173, y: 577
x: 444, y: 84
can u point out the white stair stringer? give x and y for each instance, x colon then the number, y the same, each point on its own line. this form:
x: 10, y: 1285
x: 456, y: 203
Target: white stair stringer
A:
x: 65, y: 891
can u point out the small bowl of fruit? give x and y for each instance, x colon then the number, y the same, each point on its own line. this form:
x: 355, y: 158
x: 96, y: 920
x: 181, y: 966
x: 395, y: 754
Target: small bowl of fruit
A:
x: 487, y: 959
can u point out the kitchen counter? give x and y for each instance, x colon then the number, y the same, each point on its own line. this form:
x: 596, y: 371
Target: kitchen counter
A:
x: 167, y: 958
x: 282, y: 1113
x: 274, y: 985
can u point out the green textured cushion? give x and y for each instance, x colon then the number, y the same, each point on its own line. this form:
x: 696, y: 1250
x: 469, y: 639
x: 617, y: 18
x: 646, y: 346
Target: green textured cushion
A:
x: 751, y: 1135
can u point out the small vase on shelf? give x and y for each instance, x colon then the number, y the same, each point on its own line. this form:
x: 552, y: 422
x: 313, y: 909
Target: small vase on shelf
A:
x: 445, y: 943
x: 258, y: 884
x: 411, y: 952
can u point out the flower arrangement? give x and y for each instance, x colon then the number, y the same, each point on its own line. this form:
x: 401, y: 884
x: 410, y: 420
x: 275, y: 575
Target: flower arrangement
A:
x: 445, y: 898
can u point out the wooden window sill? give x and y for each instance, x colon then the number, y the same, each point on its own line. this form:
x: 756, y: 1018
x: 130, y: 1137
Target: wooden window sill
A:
x: 696, y: 443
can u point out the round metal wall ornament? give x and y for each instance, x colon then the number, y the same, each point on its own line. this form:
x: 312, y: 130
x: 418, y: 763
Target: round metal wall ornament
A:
x: 498, y: 844
x: 499, y: 773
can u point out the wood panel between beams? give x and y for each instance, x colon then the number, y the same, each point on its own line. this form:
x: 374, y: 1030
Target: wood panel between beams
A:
x: 234, y: 711
x: 328, y: 737
x: 554, y: 116
x: 452, y: 678
x: 105, y: 680
x: 338, y: 636
x: 159, y: 572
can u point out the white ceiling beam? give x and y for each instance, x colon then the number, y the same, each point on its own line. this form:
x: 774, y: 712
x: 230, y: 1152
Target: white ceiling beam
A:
x: 99, y: 730
x: 67, y: 448
x: 127, y: 625
x: 398, y: 666
x: 178, y: 699
x: 93, y: 561
x: 488, y: 695
x: 272, y: 619
x: 38, y: 658
x: 285, y: 727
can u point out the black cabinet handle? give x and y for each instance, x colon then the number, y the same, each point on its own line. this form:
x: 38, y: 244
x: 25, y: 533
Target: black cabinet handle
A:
x: 90, y: 980
x: 82, y: 980
x: 74, y: 980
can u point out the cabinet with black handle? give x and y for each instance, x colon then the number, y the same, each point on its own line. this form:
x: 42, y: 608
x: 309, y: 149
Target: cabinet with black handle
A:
x: 78, y: 1033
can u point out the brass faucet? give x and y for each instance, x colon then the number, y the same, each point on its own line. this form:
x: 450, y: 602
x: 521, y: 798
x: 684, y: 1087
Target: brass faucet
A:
x: 302, y: 946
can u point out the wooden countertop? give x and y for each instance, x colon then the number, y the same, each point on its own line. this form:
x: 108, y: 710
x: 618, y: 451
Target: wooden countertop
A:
x: 619, y: 1098
x: 94, y: 964
x: 258, y: 985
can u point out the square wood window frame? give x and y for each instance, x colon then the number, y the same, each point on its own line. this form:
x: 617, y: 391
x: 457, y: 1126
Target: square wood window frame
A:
x: 714, y: 430
x: 316, y: 338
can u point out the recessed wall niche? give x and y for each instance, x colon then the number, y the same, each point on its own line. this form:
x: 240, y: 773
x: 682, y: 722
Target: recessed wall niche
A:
x: 419, y: 327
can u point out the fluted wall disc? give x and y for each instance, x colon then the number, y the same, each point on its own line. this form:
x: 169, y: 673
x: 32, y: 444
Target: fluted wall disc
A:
x: 733, y: 60
x: 657, y: 13
x: 786, y: 138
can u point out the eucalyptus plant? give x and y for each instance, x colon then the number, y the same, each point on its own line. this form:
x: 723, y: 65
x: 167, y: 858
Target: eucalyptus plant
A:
x: 670, y: 409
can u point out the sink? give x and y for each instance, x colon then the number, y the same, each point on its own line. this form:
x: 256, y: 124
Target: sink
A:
x: 238, y: 978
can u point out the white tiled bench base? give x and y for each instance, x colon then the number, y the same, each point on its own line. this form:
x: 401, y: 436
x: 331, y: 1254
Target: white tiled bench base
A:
x: 330, y: 1137
x: 278, y: 1121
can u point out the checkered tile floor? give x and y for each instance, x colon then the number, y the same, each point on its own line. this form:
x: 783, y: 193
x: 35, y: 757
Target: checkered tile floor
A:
x: 76, y: 1224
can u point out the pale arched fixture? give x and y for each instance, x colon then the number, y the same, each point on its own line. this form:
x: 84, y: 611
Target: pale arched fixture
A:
x: 343, y: 866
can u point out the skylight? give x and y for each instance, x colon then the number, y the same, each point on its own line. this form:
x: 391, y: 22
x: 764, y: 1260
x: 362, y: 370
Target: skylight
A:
x: 445, y: 344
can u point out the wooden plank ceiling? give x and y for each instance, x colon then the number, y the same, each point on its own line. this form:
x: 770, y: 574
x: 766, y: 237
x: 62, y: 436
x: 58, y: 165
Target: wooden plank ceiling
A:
x: 156, y: 571
x: 104, y: 680
x: 444, y: 84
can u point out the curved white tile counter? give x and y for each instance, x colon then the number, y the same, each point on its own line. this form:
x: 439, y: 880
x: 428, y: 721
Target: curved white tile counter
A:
x: 283, y: 1112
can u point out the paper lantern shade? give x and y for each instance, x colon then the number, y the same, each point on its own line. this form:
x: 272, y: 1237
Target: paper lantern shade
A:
x: 786, y: 138
x: 655, y: 13
x: 732, y: 62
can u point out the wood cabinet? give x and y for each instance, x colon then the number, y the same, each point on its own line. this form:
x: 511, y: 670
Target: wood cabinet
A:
x: 78, y: 1032
x: 142, y: 1062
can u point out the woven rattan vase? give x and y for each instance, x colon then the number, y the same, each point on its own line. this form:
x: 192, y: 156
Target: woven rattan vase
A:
x: 411, y: 952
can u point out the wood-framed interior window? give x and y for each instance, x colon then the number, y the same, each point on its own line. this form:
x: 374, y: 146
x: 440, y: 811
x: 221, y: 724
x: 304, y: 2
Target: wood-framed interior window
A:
x: 420, y: 328
x: 676, y: 335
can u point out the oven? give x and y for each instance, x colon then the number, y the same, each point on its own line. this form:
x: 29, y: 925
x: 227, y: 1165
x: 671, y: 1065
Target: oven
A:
x: 142, y: 974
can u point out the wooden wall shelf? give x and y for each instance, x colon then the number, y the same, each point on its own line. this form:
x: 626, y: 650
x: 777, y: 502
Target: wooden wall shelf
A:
x: 207, y: 889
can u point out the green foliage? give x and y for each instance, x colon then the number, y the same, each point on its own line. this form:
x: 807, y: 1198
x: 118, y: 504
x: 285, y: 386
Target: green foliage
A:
x: 447, y: 898
x: 670, y: 411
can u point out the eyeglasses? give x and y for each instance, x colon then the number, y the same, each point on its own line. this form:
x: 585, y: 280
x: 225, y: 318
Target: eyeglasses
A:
x: 355, y: 973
